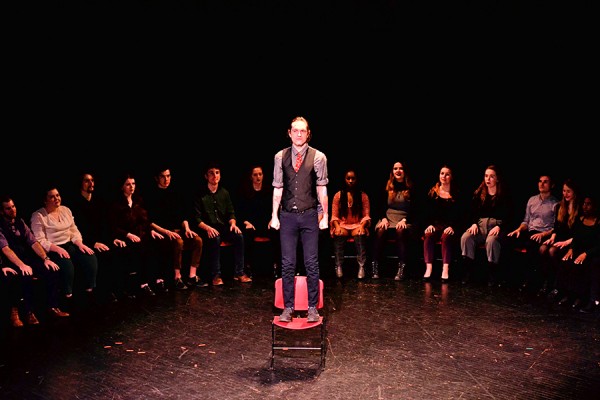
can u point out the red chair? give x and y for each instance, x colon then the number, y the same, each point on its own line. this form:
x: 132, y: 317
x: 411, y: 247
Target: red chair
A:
x: 261, y: 239
x: 297, y: 323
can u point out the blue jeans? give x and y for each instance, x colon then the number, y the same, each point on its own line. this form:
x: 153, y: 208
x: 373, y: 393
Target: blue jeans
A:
x: 85, y: 263
x: 20, y: 287
x: 303, y: 226
x: 212, y: 248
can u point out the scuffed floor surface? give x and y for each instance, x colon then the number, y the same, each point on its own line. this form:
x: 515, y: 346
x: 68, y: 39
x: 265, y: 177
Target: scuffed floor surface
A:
x: 385, y: 340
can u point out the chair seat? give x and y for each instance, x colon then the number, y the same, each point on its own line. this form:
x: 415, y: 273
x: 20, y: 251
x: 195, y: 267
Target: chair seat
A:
x: 297, y: 323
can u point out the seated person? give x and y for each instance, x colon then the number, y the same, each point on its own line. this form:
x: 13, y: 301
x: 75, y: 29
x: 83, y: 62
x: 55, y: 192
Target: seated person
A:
x: 137, y: 256
x: 536, y: 227
x: 54, y: 227
x: 397, y: 219
x: 215, y: 216
x: 170, y: 215
x: 253, y: 205
x: 22, y: 258
x: 350, y: 217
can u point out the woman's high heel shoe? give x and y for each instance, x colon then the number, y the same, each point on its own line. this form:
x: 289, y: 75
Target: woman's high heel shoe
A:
x: 445, y: 269
x: 427, y: 274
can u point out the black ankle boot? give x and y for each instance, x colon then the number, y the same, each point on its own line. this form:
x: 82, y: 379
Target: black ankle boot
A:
x: 375, y: 270
x: 400, y: 274
x: 493, y: 275
x: 467, y: 266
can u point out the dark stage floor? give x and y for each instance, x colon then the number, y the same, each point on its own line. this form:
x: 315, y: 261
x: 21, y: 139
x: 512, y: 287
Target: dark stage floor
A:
x: 385, y: 340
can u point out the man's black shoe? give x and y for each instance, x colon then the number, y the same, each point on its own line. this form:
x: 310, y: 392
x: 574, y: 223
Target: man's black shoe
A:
x: 160, y: 287
x: 180, y: 285
x: 147, y: 290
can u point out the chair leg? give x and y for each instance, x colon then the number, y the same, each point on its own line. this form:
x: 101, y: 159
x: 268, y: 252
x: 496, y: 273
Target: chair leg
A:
x: 323, y: 345
x: 272, y: 346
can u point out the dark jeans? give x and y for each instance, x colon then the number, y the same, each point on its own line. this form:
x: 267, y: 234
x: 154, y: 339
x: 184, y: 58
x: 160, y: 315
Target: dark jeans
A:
x: 86, y: 263
x: 303, y: 226
x: 113, y: 271
x: 12, y: 289
x: 21, y: 286
x: 212, y: 249
x: 573, y: 279
x: 137, y: 264
x: 550, y: 259
x: 531, y: 270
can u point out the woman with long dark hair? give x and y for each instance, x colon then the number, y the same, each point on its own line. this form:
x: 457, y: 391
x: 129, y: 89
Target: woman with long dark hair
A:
x: 350, y: 218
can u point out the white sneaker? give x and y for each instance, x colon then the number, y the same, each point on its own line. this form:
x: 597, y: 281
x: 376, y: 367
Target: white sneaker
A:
x: 339, y: 272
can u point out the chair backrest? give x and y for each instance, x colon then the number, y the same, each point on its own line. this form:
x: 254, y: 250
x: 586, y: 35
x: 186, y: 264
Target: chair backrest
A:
x: 300, y: 294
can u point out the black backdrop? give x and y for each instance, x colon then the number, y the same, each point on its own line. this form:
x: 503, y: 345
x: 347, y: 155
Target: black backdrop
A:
x: 114, y: 86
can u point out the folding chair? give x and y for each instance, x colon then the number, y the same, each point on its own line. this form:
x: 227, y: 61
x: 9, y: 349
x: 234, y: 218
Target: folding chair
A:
x: 297, y: 323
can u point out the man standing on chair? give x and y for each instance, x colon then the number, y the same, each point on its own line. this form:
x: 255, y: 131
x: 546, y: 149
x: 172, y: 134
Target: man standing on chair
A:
x: 300, y: 185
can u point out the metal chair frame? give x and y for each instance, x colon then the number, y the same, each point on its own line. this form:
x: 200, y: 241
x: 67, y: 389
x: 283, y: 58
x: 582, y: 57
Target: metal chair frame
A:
x: 297, y: 323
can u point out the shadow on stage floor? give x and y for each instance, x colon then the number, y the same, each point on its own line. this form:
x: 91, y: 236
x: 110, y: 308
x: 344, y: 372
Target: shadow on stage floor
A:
x: 385, y: 340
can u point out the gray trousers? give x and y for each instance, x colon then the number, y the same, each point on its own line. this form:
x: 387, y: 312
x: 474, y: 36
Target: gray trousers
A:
x: 493, y: 244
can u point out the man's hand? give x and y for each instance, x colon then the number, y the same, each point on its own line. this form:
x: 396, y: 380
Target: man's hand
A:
x: 274, y: 223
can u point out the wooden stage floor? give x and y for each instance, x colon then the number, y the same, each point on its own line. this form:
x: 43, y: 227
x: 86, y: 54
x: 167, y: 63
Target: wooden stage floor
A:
x: 385, y: 340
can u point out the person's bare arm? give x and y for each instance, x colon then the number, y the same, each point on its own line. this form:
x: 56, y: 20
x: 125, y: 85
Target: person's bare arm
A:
x: 274, y: 223
x: 324, y: 201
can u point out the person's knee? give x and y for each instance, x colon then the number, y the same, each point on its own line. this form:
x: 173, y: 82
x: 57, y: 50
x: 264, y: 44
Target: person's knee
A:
x: 178, y: 244
x: 466, y: 238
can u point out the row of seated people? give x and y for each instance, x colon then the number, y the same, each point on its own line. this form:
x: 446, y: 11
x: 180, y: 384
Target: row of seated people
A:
x: 559, y: 238
x: 128, y: 246
x: 137, y: 242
